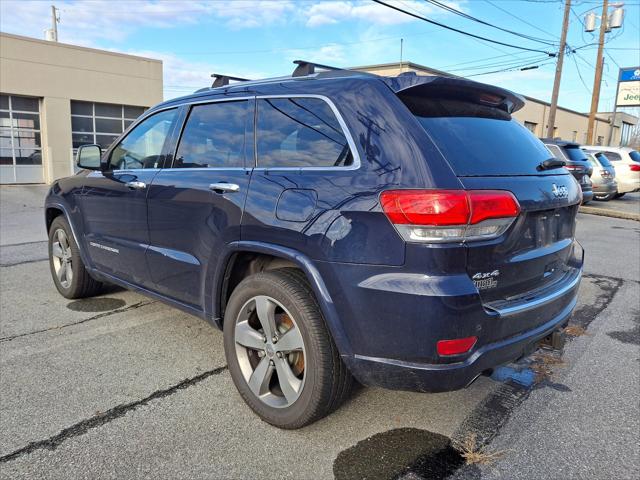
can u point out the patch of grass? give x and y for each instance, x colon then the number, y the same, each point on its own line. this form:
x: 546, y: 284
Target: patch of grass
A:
x: 475, y: 454
x: 575, y: 331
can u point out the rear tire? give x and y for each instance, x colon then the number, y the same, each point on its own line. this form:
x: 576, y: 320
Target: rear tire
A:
x: 272, y: 301
x: 620, y: 195
x: 67, y: 270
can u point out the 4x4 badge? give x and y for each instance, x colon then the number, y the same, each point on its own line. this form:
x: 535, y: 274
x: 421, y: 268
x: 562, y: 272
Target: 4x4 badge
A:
x: 485, y: 280
x: 559, y: 191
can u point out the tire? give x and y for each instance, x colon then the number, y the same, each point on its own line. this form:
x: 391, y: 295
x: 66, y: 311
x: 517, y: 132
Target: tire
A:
x: 620, y: 195
x: 324, y: 382
x: 64, y: 257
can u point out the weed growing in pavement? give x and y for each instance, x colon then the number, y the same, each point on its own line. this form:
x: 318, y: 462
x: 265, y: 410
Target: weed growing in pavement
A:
x: 575, y: 331
x: 475, y: 454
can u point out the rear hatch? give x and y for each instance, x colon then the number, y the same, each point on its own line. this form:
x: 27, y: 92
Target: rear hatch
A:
x: 488, y: 150
x: 576, y: 162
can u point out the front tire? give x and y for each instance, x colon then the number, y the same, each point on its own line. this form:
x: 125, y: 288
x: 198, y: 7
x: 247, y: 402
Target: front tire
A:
x: 281, y: 356
x: 67, y: 270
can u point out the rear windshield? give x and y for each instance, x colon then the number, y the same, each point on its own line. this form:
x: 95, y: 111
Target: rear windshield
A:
x: 604, y: 161
x: 478, y: 146
x: 635, y: 156
x: 575, y: 154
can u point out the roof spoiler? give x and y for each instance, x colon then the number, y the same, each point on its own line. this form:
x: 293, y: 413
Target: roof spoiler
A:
x: 457, y: 88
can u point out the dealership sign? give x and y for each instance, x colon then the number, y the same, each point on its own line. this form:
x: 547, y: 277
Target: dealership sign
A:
x: 628, y: 88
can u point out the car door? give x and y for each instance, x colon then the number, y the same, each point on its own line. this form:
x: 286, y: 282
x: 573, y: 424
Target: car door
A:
x: 114, y: 201
x: 195, y: 207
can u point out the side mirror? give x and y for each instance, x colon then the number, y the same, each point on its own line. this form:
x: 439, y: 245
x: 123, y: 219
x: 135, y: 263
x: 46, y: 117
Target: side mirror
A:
x: 88, y: 157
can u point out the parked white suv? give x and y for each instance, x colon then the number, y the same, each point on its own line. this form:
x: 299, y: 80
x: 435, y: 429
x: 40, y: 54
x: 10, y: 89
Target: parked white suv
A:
x: 626, y: 161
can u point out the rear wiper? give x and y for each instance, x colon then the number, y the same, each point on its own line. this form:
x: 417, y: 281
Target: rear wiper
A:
x: 550, y: 163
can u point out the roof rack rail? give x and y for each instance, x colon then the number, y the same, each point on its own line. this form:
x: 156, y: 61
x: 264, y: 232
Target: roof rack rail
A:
x: 220, y: 80
x: 305, y: 68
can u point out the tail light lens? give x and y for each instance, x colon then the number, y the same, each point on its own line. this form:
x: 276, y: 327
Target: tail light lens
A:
x: 449, y: 215
x: 573, y: 168
x: 634, y: 168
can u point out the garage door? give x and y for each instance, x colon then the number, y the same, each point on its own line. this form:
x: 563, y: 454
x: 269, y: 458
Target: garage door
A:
x: 20, y: 142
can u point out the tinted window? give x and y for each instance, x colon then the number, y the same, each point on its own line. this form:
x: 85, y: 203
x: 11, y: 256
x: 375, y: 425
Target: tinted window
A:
x: 300, y: 132
x: 613, y: 156
x: 635, y: 156
x: 142, y: 147
x: 214, y: 136
x: 575, y: 154
x: 604, y: 161
x: 486, y: 146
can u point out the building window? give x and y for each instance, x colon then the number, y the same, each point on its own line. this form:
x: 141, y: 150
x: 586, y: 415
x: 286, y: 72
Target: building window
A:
x: 625, y: 135
x: 20, y: 142
x: 574, y: 136
x: 100, y: 123
x: 600, y: 140
x: 531, y: 126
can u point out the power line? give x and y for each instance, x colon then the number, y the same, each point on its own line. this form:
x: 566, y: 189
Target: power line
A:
x: 520, y: 68
x: 447, y: 27
x: 482, y: 22
x: 520, y: 19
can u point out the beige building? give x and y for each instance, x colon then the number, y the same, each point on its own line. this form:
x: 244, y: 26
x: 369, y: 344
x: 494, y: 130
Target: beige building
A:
x: 55, y: 97
x: 570, y: 125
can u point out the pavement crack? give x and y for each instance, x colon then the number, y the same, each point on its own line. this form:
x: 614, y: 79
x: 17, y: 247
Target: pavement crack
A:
x: 14, y: 264
x: 101, y: 419
x: 23, y: 243
x: 94, y: 317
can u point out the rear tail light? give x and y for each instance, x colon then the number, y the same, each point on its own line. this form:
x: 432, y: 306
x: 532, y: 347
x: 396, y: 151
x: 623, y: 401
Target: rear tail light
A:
x: 573, y: 168
x: 455, y: 347
x: 605, y: 173
x: 634, y: 168
x: 449, y: 215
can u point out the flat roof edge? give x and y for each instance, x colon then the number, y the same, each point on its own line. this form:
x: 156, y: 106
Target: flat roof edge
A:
x: 78, y: 47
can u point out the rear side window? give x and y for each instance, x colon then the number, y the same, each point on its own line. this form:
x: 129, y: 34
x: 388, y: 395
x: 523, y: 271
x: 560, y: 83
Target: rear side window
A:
x: 214, y: 136
x: 300, y: 132
x: 556, y: 152
x: 614, y: 157
x: 635, y: 156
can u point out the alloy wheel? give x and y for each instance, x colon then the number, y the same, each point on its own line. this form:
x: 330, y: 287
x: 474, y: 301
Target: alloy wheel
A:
x: 61, y: 256
x: 270, y: 351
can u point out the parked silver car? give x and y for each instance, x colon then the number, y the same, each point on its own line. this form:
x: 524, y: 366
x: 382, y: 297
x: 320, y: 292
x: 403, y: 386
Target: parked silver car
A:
x: 626, y: 162
x: 605, y: 186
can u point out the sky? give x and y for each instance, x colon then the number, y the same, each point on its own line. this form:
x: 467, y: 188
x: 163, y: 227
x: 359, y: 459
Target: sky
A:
x: 260, y: 38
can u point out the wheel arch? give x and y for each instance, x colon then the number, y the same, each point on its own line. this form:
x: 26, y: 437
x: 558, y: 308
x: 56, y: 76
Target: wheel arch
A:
x: 55, y: 210
x: 281, y: 257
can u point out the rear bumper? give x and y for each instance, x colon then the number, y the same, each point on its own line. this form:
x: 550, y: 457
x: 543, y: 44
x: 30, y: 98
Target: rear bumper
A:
x: 393, y: 319
x: 587, y: 195
x: 399, y: 375
x: 608, y: 188
x: 628, y: 185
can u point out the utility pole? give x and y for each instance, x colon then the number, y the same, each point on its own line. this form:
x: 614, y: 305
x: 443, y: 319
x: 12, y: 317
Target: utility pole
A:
x: 595, y: 96
x: 556, y: 82
x: 54, y: 22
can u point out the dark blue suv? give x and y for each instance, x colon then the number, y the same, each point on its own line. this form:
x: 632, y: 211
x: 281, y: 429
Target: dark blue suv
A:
x: 404, y: 232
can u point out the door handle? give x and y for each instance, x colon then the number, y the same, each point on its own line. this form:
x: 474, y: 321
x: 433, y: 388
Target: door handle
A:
x: 224, y: 187
x: 135, y: 185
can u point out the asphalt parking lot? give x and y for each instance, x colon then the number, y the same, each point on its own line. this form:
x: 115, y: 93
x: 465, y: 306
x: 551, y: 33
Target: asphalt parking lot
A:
x: 122, y: 386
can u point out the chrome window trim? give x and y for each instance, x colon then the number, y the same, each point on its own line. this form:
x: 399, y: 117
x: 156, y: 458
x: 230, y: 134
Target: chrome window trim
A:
x: 343, y: 125
x: 357, y: 163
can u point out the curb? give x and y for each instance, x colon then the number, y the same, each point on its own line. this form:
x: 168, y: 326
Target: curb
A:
x: 603, y: 212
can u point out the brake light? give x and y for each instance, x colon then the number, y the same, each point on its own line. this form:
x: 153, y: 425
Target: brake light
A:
x: 573, y: 168
x: 455, y: 347
x: 605, y: 173
x: 634, y: 168
x: 449, y: 215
